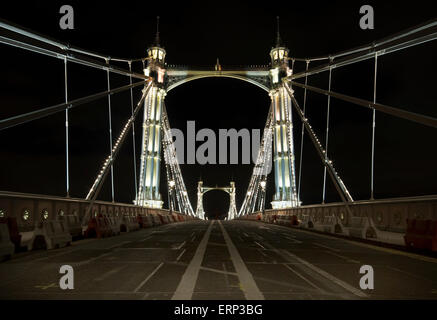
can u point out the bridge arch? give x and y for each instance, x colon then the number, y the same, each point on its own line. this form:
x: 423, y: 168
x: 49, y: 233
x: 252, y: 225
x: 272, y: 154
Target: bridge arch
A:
x: 218, y: 75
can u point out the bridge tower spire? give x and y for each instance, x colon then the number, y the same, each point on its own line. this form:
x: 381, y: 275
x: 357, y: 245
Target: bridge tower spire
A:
x: 284, y: 162
x: 148, y: 190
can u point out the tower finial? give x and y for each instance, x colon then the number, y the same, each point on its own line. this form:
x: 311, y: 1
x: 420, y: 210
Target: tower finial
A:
x: 278, y: 36
x: 157, y: 32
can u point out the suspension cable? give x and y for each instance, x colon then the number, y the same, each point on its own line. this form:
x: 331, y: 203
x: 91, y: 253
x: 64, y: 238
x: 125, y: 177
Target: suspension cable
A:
x: 372, y: 167
x: 110, y: 134
x: 327, y: 136
x: 133, y: 130
x: 338, y: 182
x: 98, y: 183
x: 41, y: 113
x: 67, y: 164
x: 419, y: 35
x: 302, y: 135
x: 399, y: 113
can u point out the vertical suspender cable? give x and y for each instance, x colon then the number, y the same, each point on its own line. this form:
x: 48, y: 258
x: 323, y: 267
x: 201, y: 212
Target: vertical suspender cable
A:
x: 133, y: 129
x: 302, y: 134
x: 110, y: 133
x: 327, y: 137
x: 373, y: 129
x: 67, y: 163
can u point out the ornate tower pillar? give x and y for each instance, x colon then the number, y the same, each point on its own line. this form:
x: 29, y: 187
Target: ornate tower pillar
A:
x: 200, y: 212
x: 285, y: 179
x: 148, y: 191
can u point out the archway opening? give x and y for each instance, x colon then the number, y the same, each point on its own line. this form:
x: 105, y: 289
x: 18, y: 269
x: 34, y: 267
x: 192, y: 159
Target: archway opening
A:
x: 216, y: 204
x: 217, y: 103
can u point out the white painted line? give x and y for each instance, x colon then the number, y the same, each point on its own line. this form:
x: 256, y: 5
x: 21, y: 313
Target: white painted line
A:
x: 259, y: 244
x: 342, y: 257
x: 293, y: 240
x: 367, y: 245
x: 262, y: 252
x: 179, y: 246
x: 109, y: 273
x: 219, y: 271
x: 250, y: 289
x: 304, y: 279
x: 181, y: 254
x: 328, y: 276
x: 185, y: 289
x: 149, y: 277
x: 326, y: 247
x: 118, y: 245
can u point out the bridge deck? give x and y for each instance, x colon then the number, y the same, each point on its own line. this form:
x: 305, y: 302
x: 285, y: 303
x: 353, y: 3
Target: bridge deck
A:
x: 219, y: 260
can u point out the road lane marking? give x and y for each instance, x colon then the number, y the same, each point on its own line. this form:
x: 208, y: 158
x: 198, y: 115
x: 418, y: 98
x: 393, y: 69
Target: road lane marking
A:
x: 260, y: 245
x: 342, y: 257
x: 43, y: 287
x: 181, y: 254
x: 365, y: 245
x: 293, y: 240
x: 179, y: 246
x: 305, y: 279
x: 262, y: 252
x: 327, y: 275
x: 185, y: 289
x: 326, y: 247
x: 219, y: 271
x: 118, y: 245
x: 109, y: 273
x: 249, y: 287
x: 148, y: 277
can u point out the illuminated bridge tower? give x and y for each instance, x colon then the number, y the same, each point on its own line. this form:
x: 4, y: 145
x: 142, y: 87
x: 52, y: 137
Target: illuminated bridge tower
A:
x: 148, y: 190
x: 285, y: 178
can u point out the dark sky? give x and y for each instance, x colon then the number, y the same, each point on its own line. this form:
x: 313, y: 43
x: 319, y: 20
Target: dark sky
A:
x: 32, y: 156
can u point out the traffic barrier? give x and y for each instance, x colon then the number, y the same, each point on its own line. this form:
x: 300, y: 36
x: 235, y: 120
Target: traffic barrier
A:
x: 360, y: 228
x: 6, y: 246
x: 164, y: 219
x: 146, y: 221
x: 56, y: 234
x: 421, y: 234
x: 306, y: 222
x: 74, y: 225
x: 114, y: 225
x: 98, y: 227
x: 129, y: 224
x: 14, y: 235
x: 156, y: 220
x: 327, y: 224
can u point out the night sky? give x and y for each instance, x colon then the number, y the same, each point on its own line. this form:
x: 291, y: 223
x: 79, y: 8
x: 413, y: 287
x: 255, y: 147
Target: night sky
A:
x: 32, y: 156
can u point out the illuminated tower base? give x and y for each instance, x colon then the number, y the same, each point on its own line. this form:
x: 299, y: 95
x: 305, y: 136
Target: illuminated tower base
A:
x: 285, y: 195
x: 148, y: 192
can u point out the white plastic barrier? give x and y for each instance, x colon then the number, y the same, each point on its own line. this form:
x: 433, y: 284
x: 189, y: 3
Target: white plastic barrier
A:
x: 6, y: 246
x: 358, y: 227
x: 114, y: 224
x: 56, y: 234
x: 74, y: 225
x: 130, y: 223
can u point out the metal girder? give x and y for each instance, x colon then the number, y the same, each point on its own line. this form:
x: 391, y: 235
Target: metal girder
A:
x: 399, y: 113
x: 41, y: 113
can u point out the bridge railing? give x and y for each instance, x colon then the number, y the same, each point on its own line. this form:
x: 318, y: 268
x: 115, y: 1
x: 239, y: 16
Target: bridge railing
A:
x: 379, y: 220
x: 30, y: 211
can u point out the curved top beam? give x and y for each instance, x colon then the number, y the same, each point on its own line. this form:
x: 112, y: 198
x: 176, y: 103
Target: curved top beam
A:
x: 193, y: 75
x: 206, y: 189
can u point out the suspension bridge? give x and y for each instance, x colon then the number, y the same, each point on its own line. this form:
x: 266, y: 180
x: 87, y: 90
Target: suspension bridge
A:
x: 291, y: 251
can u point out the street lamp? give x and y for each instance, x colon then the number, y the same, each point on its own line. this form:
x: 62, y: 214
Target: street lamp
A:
x: 171, y: 185
x: 263, y: 184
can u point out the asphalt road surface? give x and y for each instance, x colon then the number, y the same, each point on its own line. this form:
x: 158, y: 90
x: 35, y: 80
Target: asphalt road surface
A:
x: 219, y: 260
